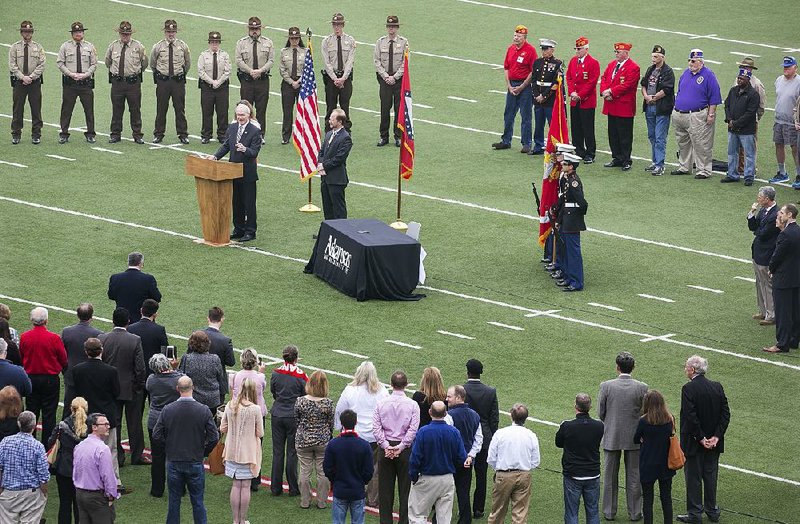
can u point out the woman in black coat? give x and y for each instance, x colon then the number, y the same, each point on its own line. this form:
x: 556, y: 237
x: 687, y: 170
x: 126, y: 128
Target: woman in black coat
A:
x: 655, y: 428
x: 70, y: 432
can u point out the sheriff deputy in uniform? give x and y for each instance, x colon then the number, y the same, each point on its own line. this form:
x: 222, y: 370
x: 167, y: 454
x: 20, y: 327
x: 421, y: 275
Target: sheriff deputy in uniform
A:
x: 293, y: 58
x: 26, y: 62
x: 571, y: 209
x: 213, y: 71
x: 544, y: 83
x: 170, y: 61
x: 254, y: 57
x: 338, y: 53
x: 77, y: 60
x: 126, y: 60
x: 388, y: 59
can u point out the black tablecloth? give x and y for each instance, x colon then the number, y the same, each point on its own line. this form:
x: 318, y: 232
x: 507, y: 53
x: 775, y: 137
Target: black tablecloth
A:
x: 365, y: 258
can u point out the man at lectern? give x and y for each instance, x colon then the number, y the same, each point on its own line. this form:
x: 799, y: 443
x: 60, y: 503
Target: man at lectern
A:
x: 243, y: 141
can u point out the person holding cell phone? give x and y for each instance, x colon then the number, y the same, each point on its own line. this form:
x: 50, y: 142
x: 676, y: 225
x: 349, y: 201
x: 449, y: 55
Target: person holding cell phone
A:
x: 161, y: 387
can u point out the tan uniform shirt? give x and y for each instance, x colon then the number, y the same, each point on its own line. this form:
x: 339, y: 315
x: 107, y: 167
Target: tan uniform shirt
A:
x: 329, y: 54
x: 67, y: 60
x: 244, y: 54
x: 285, y: 65
x: 135, y: 58
x: 16, y: 59
x: 205, y: 67
x: 381, y: 56
x: 159, y: 57
x: 762, y: 94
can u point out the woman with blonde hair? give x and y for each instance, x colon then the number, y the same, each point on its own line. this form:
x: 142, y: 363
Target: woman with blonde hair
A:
x: 10, y: 408
x: 655, y: 428
x: 251, y: 369
x: 431, y: 389
x: 244, y: 425
x: 314, y: 415
x: 362, y: 395
x: 69, y: 432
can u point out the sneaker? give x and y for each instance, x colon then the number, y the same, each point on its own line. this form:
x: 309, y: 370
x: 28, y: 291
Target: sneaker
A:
x: 658, y: 171
x: 501, y: 145
x: 796, y: 183
x: 779, y: 177
x: 651, y: 167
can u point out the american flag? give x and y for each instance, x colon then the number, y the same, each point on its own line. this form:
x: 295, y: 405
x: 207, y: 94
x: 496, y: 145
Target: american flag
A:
x: 306, y: 134
x: 406, y: 124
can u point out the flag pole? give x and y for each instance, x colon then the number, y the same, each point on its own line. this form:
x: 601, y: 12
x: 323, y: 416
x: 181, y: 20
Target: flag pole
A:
x: 309, y: 207
x: 399, y: 224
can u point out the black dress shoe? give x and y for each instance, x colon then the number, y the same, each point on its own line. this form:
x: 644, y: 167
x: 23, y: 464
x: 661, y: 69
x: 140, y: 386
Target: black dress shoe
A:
x: 124, y: 490
x: 678, y: 172
x: 205, y: 140
x: 477, y: 514
x: 382, y: 142
x: 613, y: 163
x: 90, y: 139
x: 396, y: 142
x: 536, y: 152
x: 500, y: 145
x: 36, y: 140
x: 63, y: 139
x: 627, y: 166
x: 561, y: 282
x: 183, y: 139
x: 545, y: 260
x: 248, y: 237
x: 285, y: 141
x: 114, y: 140
x: 139, y: 140
x: 557, y: 274
x: 748, y: 183
x: 550, y: 267
x: 685, y: 518
x: 263, y: 141
x: 158, y: 139
x: 588, y: 160
x: 235, y: 235
x: 569, y: 289
x: 728, y: 180
x: 15, y: 140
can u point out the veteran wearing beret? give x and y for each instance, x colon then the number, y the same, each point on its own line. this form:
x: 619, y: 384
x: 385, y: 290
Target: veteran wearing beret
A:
x: 338, y: 55
x: 26, y: 60
x: 77, y: 61
x: 292, y: 60
x: 126, y: 60
x: 169, y: 60
x: 213, y: 72
x: 254, y: 57
x: 388, y: 58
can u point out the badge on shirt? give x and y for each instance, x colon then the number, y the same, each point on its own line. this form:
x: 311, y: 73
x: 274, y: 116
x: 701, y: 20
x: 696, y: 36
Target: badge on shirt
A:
x: 520, y: 58
x: 586, y: 75
x: 622, y: 79
x: 699, y: 80
x: 574, y: 183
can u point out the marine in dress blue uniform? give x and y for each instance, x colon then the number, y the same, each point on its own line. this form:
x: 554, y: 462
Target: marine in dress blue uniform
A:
x: 572, y: 207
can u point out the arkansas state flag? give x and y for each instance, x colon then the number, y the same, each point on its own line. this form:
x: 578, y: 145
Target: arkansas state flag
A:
x: 558, y: 134
x: 405, y: 124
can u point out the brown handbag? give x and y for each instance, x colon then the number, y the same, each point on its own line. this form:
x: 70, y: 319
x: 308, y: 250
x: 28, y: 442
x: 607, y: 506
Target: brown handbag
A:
x: 675, y: 458
x: 215, y: 463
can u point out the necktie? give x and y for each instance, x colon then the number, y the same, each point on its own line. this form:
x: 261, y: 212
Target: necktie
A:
x: 614, y: 74
x: 294, y: 63
x: 239, y: 133
x: 171, y: 66
x: 78, y: 51
x: 391, y: 57
x: 214, y: 71
x: 121, y: 68
x: 333, y: 135
x: 25, y: 70
x: 255, y: 54
x: 339, y: 59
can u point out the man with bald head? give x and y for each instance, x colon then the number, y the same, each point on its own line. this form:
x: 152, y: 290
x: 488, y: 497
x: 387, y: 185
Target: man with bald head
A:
x: 188, y: 432
x: 437, y: 451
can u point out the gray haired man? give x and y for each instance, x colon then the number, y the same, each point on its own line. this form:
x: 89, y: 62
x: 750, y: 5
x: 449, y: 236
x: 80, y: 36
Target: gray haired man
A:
x: 761, y: 221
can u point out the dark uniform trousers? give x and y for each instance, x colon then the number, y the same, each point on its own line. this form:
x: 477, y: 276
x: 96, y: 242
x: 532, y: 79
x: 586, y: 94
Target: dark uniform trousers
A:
x: 582, y: 127
x: 288, y: 100
x: 214, y: 100
x: 176, y: 90
x: 787, y: 317
x: 33, y: 94
x: 93, y: 507
x: 70, y: 95
x: 121, y: 92
x: 341, y: 97
x: 244, y: 205
x: 481, y: 469
x: 257, y: 93
x: 43, y: 401
x: 390, y: 99
x: 133, y: 409
x: 620, y: 138
x: 333, y: 203
x: 701, y: 468
x: 392, y: 470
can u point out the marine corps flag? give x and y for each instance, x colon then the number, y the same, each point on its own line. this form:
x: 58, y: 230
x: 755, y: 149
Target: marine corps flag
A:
x: 558, y: 134
x: 405, y: 124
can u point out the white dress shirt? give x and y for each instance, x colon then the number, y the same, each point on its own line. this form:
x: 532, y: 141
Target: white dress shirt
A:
x: 514, y: 447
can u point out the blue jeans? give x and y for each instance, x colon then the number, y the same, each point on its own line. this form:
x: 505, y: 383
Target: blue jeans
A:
x: 192, y: 476
x: 657, y: 131
x: 522, y: 103
x: 340, y: 507
x: 573, y: 489
x: 541, y: 115
x: 748, y: 143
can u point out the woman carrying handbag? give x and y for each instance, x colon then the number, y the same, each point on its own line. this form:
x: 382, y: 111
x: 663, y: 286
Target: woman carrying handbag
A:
x: 653, y: 433
x: 69, y: 433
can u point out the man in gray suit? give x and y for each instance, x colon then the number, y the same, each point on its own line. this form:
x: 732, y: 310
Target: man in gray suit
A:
x: 123, y: 350
x: 221, y: 345
x: 619, y: 407
x: 74, y: 337
x: 332, y: 166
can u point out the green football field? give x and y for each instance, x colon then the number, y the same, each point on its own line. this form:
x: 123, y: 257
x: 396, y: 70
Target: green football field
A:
x: 667, y: 259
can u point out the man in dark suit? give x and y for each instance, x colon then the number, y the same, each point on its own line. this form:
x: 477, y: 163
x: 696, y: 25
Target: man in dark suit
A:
x: 220, y: 344
x: 784, y: 268
x: 704, y: 419
x: 74, y: 337
x: 243, y: 141
x: 761, y: 221
x: 187, y: 429
x: 98, y: 383
x: 123, y: 350
x: 332, y: 166
x: 483, y: 399
x: 130, y: 288
x: 153, y: 335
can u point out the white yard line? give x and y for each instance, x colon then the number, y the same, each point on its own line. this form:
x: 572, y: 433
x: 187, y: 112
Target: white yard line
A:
x: 751, y: 55
x: 612, y: 308
x: 402, y: 344
x: 660, y: 337
x: 746, y: 279
x: 459, y: 99
x: 59, y: 157
x: 506, y: 326
x: 349, y: 354
x: 104, y: 150
x: 457, y: 335
x: 710, y: 290
x: 417, y: 104
x: 14, y: 164
x: 543, y: 313
x: 652, y: 297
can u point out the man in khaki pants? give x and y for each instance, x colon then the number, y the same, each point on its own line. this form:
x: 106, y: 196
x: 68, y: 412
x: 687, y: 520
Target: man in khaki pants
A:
x: 513, y: 453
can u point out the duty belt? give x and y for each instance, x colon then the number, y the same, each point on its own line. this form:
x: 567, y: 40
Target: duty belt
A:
x: 544, y: 84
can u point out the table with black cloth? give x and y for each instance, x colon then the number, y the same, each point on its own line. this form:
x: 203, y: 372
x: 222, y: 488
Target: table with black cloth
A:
x: 365, y: 258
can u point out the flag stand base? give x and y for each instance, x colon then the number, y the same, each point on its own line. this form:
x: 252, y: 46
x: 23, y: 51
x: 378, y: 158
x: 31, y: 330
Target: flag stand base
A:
x: 309, y: 208
x: 399, y: 225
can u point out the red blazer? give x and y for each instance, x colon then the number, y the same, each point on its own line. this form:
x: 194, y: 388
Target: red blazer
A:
x: 623, y: 87
x: 582, y: 79
x: 42, y: 351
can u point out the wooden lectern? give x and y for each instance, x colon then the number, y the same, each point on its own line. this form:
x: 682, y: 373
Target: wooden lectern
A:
x: 214, y: 196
